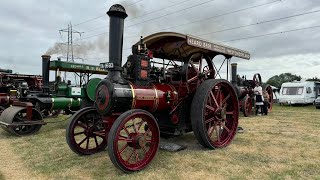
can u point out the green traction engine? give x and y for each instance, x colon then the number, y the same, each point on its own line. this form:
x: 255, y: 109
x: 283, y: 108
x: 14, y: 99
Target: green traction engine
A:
x: 25, y: 115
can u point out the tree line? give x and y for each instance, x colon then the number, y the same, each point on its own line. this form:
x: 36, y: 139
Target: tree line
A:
x: 277, y: 80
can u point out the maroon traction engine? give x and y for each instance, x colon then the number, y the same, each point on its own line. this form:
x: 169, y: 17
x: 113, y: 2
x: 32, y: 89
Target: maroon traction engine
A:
x: 167, y: 85
x: 245, y: 90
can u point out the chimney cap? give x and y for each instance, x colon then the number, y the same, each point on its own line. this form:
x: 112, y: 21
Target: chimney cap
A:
x: 117, y: 10
x: 234, y: 64
x: 46, y: 56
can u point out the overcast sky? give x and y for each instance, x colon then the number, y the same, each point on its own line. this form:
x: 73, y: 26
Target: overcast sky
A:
x: 28, y: 28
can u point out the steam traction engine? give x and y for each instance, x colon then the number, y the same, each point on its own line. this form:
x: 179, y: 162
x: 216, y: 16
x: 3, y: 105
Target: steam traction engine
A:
x: 244, y: 89
x: 166, y: 86
x: 24, y: 114
x: 15, y: 86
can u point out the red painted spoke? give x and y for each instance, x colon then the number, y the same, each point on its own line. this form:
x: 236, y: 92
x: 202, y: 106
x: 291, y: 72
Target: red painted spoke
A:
x: 123, y: 148
x: 225, y: 99
x: 209, y: 100
x: 144, y: 149
x: 123, y: 136
x: 140, y: 124
x: 137, y: 155
x: 100, y: 133
x: 218, y: 95
x: 130, y: 156
x: 229, y: 113
x: 210, y: 131
x: 210, y: 120
x: 126, y: 130
x: 226, y: 128
x: 211, y: 108
x: 214, y: 99
x: 82, y: 132
x: 83, y: 140
x: 134, y: 126
x: 192, y: 79
x: 194, y: 67
x: 87, y: 145
x: 147, y: 132
x: 125, y: 139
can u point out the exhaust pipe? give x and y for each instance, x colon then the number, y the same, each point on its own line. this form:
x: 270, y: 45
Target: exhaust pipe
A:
x: 45, y: 73
x: 117, y: 14
x: 234, y: 74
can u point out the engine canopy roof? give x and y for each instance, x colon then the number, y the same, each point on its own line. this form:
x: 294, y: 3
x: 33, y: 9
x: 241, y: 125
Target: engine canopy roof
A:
x: 172, y: 45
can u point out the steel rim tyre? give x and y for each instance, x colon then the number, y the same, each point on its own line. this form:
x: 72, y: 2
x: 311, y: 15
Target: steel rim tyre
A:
x: 133, y: 140
x: 247, y: 106
x: 86, y: 132
x: 215, y: 113
x: 15, y: 114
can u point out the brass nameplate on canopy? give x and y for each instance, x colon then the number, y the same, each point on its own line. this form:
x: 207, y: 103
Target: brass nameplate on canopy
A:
x: 192, y: 41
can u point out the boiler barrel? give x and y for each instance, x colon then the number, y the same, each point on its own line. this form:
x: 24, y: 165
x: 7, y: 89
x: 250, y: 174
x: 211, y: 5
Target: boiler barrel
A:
x: 64, y: 103
x: 157, y: 97
x: 123, y: 97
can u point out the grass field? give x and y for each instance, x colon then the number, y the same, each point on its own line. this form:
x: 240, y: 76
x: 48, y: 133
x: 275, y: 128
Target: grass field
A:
x: 283, y: 145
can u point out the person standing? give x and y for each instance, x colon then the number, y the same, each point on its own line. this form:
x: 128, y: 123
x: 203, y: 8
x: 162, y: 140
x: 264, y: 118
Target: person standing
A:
x: 259, y: 98
x: 265, y: 102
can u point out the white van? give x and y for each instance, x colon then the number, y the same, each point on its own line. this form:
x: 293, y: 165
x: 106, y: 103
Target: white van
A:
x: 298, y: 92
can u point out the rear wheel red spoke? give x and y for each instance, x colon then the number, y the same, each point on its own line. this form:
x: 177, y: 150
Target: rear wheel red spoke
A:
x: 123, y: 148
x: 226, y: 128
x: 215, y: 121
x: 214, y: 99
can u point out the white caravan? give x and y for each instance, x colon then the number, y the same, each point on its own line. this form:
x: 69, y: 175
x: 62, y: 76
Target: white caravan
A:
x: 298, y: 92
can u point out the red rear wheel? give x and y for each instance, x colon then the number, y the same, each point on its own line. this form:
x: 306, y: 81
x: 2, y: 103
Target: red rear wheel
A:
x: 247, y: 106
x: 215, y: 113
x: 133, y: 140
x: 197, y: 69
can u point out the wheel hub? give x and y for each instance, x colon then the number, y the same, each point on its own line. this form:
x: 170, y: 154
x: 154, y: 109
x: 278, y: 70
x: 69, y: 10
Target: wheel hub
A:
x: 89, y: 132
x: 142, y: 141
x: 221, y: 113
x: 138, y: 140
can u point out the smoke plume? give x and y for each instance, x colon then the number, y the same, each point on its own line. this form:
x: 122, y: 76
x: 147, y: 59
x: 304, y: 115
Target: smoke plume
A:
x: 98, y: 45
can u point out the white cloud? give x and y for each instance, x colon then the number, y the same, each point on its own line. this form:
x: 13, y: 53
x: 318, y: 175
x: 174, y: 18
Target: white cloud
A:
x: 29, y: 28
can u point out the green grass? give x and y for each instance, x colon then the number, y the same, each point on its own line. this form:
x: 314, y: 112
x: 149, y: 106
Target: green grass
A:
x: 283, y: 145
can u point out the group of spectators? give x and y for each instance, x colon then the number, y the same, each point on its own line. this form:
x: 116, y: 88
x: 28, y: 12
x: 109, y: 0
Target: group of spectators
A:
x: 261, y: 99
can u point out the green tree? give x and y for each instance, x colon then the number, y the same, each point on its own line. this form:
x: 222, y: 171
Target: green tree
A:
x: 277, y: 80
x: 313, y: 79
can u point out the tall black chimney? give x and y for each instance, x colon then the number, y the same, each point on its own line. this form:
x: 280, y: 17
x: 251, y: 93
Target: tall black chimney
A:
x: 234, y: 74
x: 45, y: 73
x: 117, y: 14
